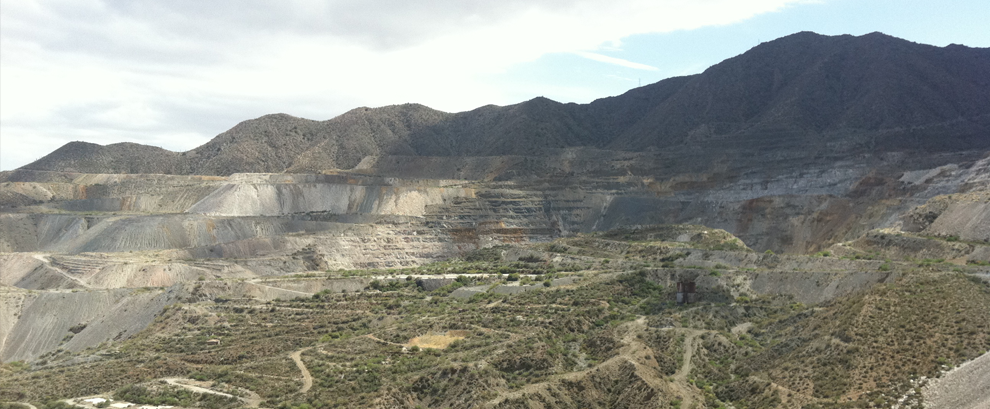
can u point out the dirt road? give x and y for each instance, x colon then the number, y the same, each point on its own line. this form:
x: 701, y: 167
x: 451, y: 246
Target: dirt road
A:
x: 252, y: 400
x: 681, y: 384
x: 77, y: 280
x: 307, y: 378
x: 633, y: 351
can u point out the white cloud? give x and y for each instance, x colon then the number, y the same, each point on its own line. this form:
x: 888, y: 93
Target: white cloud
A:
x: 148, y: 71
x: 617, y: 61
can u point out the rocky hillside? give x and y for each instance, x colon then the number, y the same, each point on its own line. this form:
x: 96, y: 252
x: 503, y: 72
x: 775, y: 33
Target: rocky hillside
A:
x: 827, y: 198
x: 813, y: 86
x: 115, y: 158
x: 590, y: 321
x: 804, y: 95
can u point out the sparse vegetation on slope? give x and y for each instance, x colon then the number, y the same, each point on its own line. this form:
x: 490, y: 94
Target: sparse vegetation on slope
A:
x: 613, y: 334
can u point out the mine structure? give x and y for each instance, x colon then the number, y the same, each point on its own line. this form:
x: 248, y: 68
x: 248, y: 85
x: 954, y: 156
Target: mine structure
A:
x: 686, y: 292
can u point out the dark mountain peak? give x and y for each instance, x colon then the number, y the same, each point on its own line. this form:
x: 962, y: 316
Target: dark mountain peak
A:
x: 123, y: 157
x: 78, y: 146
x: 261, y: 127
x: 872, y: 89
x: 132, y: 146
x: 537, y: 105
x: 808, y: 83
x: 277, y: 116
x: 413, y: 106
x: 876, y: 35
x: 800, y: 36
x: 796, y: 40
x: 389, y: 111
x: 542, y: 100
x: 811, y: 43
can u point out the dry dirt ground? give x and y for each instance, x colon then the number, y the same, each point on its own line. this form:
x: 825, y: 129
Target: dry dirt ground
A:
x: 966, y: 387
x: 684, y: 389
x: 307, y: 378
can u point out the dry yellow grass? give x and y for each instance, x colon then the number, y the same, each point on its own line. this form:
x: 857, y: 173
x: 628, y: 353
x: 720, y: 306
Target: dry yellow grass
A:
x: 437, y: 341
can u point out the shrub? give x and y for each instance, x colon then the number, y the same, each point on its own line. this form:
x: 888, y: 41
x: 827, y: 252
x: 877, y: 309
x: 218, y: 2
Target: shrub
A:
x: 532, y: 258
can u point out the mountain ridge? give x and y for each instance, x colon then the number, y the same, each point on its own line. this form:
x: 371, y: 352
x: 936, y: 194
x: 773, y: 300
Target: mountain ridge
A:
x: 871, y: 93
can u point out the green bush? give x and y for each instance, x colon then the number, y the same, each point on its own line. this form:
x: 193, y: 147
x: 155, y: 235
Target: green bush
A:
x: 532, y: 258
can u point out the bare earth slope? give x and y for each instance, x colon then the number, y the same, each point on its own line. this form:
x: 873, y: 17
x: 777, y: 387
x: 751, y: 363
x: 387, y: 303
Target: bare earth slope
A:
x: 827, y: 197
x: 965, y: 387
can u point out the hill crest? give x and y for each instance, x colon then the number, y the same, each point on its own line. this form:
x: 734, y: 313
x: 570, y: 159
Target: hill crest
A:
x: 866, y: 94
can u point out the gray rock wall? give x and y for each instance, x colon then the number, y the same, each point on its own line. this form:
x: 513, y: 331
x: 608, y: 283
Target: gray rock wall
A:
x: 244, y: 199
x: 808, y: 287
x: 40, y: 322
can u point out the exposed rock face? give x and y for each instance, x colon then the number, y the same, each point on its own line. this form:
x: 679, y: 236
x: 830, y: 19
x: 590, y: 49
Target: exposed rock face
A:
x: 317, y: 193
x: 795, y: 146
x: 37, y: 323
x: 965, y: 216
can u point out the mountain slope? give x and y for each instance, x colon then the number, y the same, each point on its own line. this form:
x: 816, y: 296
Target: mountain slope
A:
x: 346, y: 139
x: 277, y: 143
x: 124, y: 157
x: 801, y: 96
x: 812, y: 84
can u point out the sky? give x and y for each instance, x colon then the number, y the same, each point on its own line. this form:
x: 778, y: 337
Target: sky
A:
x: 176, y: 73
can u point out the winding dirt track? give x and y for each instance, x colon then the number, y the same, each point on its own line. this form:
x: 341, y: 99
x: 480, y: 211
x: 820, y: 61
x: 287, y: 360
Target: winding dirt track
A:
x: 251, y: 401
x: 307, y: 378
x: 685, y: 389
x: 633, y: 351
x: 382, y: 341
x: 77, y: 280
x: 175, y: 382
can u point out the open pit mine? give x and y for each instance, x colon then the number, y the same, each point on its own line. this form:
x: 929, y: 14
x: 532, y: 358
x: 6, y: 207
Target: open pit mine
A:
x: 806, y: 225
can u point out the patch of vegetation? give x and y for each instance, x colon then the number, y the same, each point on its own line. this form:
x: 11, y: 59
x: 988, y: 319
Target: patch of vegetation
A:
x: 376, y: 346
x: 174, y: 396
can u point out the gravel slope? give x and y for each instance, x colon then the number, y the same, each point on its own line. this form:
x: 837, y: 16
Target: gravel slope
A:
x: 966, y: 387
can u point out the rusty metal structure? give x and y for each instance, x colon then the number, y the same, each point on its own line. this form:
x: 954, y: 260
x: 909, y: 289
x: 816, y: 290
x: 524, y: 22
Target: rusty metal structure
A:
x: 686, y: 292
